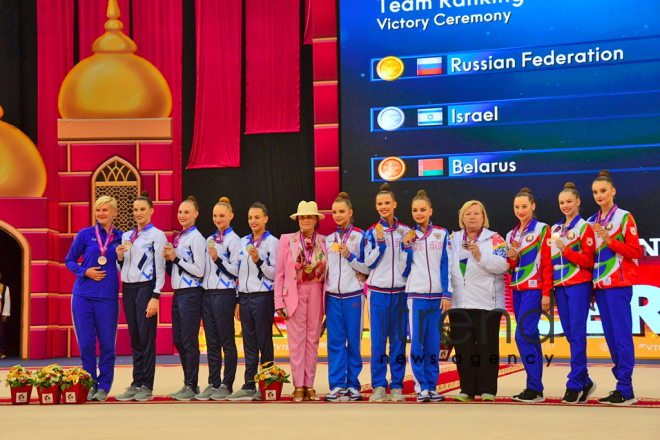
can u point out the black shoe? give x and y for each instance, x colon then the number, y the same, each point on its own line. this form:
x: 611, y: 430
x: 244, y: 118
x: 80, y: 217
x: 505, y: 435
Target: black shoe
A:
x: 571, y: 397
x: 616, y: 398
x: 530, y: 396
x: 587, y: 391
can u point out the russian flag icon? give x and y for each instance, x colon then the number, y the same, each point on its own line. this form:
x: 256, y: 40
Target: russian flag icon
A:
x: 429, y: 66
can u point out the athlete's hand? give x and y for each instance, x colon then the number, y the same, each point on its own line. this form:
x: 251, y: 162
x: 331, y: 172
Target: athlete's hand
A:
x: 360, y: 276
x: 512, y: 254
x: 545, y: 304
x: 560, y: 245
x: 407, y: 240
x: 604, y: 234
x: 95, y: 274
x: 280, y: 313
x: 445, y: 305
x: 213, y: 253
x: 169, y: 253
x: 380, y: 235
x: 121, y: 250
x: 254, y: 253
x: 344, y: 250
x: 152, y: 307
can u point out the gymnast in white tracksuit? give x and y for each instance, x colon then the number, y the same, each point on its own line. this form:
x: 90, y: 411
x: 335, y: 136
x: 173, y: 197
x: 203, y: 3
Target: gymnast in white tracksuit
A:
x: 344, y: 303
x: 425, y: 262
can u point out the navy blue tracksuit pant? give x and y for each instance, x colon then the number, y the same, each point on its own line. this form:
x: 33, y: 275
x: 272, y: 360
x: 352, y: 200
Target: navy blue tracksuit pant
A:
x: 96, y: 318
x: 186, y: 319
x: 136, y: 297
x: 257, y: 311
x: 218, y: 317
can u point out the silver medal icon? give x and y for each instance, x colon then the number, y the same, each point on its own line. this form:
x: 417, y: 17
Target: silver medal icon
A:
x: 391, y: 118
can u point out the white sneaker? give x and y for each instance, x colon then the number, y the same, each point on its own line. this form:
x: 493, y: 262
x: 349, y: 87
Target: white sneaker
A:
x: 423, y: 396
x: 335, y: 395
x: 352, y: 395
x: 380, y: 395
x: 436, y: 397
x: 397, y: 395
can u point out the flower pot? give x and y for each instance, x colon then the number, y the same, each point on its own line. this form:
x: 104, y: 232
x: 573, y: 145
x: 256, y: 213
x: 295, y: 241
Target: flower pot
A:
x: 271, y: 392
x: 50, y: 395
x: 21, y: 395
x: 75, y: 394
x: 445, y: 352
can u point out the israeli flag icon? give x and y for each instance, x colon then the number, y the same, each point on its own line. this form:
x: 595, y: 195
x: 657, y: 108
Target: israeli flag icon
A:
x: 429, y: 116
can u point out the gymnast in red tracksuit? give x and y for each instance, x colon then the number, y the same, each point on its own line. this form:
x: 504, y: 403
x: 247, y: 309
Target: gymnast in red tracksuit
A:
x: 573, y: 249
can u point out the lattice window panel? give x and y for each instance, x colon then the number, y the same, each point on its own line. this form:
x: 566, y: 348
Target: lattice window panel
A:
x: 119, y: 180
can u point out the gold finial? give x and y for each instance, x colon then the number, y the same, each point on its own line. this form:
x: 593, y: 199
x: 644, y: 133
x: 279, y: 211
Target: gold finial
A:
x: 114, y: 40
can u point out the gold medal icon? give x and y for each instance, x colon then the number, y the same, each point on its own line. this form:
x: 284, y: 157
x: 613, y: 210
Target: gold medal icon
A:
x: 390, y: 68
x: 412, y: 234
x: 128, y: 244
x: 102, y: 260
x: 379, y: 227
x: 335, y: 246
x: 309, y: 268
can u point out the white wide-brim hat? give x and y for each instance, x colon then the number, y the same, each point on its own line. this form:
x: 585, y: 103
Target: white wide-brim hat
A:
x: 308, y: 208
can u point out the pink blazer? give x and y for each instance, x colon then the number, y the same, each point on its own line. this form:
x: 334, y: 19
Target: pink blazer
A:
x: 286, y: 282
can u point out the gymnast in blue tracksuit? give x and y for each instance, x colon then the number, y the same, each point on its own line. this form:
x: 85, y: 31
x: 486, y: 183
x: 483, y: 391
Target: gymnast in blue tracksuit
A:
x: 186, y: 265
x: 143, y: 276
x: 344, y: 303
x: 95, y: 302
x: 425, y: 261
x: 386, y: 285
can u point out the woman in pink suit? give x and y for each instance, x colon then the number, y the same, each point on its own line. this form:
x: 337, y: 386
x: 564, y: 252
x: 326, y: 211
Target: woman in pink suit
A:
x: 299, y: 296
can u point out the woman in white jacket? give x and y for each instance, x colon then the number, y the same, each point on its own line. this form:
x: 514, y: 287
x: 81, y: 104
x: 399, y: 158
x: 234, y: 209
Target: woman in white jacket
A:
x: 477, y: 277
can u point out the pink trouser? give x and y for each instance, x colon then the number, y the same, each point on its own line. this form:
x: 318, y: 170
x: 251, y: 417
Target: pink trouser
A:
x: 304, y: 332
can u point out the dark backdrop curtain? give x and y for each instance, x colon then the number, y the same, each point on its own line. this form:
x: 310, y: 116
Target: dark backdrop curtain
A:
x: 276, y: 169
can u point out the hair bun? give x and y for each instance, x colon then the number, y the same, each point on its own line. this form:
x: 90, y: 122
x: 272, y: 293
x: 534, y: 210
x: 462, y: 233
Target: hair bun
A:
x: 342, y: 195
x: 224, y: 200
x: 385, y: 187
x: 569, y: 185
x: 192, y: 198
x: 144, y: 194
x: 421, y: 193
x: 526, y: 190
x: 604, y: 173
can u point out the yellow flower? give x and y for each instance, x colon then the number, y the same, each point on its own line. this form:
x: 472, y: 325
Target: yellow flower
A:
x: 262, y: 377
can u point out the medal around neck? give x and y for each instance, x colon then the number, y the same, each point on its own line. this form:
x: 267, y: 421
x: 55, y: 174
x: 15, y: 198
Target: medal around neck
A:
x: 102, y: 260
x: 128, y: 244
x: 211, y: 243
x: 335, y: 246
x: 309, y: 268
x: 379, y: 227
x: 555, y: 236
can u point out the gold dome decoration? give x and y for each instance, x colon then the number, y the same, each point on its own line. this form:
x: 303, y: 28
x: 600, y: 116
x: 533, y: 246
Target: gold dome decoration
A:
x: 114, y: 83
x: 22, y: 170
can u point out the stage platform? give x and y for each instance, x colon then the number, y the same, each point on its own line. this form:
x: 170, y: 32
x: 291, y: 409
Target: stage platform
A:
x: 502, y: 419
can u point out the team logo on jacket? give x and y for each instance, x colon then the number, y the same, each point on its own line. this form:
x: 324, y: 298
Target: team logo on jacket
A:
x: 532, y: 283
x: 549, y: 242
x: 633, y: 231
x: 530, y: 238
x: 437, y: 235
x: 352, y: 238
x: 400, y: 231
x: 609, y: 226
x: 571, y: 235
x: 590, y: 242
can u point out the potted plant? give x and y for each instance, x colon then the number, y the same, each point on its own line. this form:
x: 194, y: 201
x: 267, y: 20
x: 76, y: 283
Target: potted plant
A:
x: 19, y: 380
x: 47, y: 380
x: 76, y: 383
x: 271, y: 378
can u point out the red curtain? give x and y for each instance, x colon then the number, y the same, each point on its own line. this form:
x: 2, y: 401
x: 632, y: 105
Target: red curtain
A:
x: 272, y: 69
x: 309, y: 30
x: 216, y: 141
x: 158, y: 33
x: 55, y: 50
x: 92, y: 15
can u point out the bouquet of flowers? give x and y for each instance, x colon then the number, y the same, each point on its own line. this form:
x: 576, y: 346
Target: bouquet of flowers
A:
x: 74, y: 376
x: 270, y: 373
x: 19, y: 377
x: 49, y: 376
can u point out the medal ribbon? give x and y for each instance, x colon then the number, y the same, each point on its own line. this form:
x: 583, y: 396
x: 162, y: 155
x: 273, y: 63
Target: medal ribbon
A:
x: 308, y: 253
x: 220, y: 236
x: 567, y: 229
x: 136, y: 233
x: 386, y: 227
x: 429, y: 229
x: 181, y: 234
x: 258, y: 241
x: 347, y: 233
x: 607, y: 218
x: 476, y: 237
x: 104, y: 247
x: 515, y: 230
